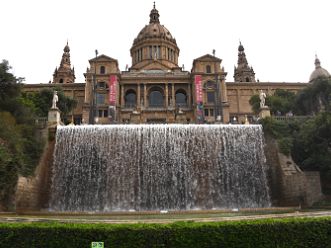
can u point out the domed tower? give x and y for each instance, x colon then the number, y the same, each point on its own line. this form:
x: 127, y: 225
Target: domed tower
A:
x: 154, y: 48
x: 64, y: 74
x: 243, y: 72
x: 319, y: 71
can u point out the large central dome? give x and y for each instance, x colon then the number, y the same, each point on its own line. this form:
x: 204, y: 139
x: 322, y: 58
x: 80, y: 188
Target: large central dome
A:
x: 154, y: 43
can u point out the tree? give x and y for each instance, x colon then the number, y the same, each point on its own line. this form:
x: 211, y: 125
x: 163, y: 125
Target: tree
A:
x: 19, y: 147
x: 315, y: 97
x: 41, y: 102
x: 312, y: 147
x: 282, y: 101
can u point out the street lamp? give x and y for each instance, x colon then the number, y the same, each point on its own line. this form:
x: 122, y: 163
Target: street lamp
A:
x: 93, y: 107
x: 218, y: 98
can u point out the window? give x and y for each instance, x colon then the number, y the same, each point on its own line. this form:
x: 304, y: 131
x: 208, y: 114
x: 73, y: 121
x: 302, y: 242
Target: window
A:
x: 100, y: 113
x: 181, y: 98
x: 247, y: 79
x: 211, y: 96
x: 208, y: 69
x: 101, y: 85
x: 61, y: 81
x: 101, y: 99
x: 130, y: 99
x: 206, y: 112
x: 105, y: 113
x: 102, y: 70
x: 155, y: 98
x: 211, y: 111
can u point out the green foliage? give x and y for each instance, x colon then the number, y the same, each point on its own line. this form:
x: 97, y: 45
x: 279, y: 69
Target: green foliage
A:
x: 281, y: 101
x: 315, y: 97
x: 254, y: 101
x: 41, y: 102
x: 312, y: 147
x: 19, y: 147
x: 291, y: 232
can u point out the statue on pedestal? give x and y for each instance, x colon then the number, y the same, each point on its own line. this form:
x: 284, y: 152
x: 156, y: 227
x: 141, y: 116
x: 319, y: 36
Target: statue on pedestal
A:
x: 262, y: 99
x: 55, y: 100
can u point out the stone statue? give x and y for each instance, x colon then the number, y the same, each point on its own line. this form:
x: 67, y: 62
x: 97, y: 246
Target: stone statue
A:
x: 262, y: 98
x: 55, y: 100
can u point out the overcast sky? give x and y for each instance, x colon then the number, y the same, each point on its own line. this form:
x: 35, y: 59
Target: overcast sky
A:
x: 280, y: 37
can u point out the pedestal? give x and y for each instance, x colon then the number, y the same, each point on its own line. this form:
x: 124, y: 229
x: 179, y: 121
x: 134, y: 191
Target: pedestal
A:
x: 135, y: 118
x: 264, y: 112
x: 54, y: 117
x: 181, y: 118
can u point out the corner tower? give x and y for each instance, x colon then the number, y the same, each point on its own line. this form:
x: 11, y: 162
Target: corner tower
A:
x: 243, y: 72
x: 154, y: 48
x: 64, y: 74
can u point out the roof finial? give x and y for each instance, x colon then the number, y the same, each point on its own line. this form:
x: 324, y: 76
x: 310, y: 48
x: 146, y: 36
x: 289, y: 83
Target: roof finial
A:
x: 317, y: 62
x: 154, y: 5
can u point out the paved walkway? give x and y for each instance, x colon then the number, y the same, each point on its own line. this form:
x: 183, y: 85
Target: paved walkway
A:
x: 164, y: 219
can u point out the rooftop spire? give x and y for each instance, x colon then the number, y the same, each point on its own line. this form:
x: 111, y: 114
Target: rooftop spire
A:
x: 154, y: 15
x: 317, y: 62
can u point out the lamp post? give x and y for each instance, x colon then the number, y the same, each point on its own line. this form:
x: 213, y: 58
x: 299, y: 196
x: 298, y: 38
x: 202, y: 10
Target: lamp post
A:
x: 218, y: 97
x: 94, y: 103
x: 96, y: 114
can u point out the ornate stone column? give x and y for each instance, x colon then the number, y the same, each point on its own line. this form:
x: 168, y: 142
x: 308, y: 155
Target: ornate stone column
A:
x: 166, y: 95
x: 138, y: 95
x: 145, y: 95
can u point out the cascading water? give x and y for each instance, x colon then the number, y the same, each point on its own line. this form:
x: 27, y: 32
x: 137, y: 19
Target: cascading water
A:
x: 156, y: 167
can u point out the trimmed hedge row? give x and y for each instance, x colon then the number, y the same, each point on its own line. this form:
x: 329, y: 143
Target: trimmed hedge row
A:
x: 291, y: 232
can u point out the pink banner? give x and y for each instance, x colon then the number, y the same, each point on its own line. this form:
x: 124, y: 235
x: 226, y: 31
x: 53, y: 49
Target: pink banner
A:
x: 112, y: 89
x: 198, y: 88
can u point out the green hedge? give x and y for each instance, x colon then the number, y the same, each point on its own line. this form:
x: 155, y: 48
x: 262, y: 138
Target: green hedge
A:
x: 291, y: 232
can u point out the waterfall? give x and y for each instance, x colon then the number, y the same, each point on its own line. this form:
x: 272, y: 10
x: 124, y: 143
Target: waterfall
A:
x: 158, y: 167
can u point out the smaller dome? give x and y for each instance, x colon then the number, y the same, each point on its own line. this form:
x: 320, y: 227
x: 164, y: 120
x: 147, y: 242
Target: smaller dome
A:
x: 241, y: 47
x: 66, y: 48
x: 319, y: 71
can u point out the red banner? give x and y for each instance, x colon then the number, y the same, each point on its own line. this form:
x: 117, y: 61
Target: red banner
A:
x: 198, y: 88
x: 112, y: 89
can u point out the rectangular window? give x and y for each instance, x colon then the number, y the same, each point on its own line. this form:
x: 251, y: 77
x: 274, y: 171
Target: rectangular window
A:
x: 206, y: 112
x: 211, y: 97
x: 100, y: 113
x: 211, y: 112
x: 105, y: 113
x: 101, y: 99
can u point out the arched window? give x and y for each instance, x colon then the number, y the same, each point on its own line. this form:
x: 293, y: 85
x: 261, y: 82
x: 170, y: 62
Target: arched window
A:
x: 208, y: 69
x: 156, y: 98
x: 247, y: 79
x: 181, y: 98
x: 130, y: 99
x: 101, y: 85
x: 61, y: 81
x: 102, y: 69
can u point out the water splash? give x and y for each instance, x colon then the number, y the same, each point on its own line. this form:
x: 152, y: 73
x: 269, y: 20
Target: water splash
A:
x: 159, y: 167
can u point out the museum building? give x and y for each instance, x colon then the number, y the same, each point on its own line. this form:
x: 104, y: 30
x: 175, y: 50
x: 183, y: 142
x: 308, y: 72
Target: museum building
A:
x: 155, y: 89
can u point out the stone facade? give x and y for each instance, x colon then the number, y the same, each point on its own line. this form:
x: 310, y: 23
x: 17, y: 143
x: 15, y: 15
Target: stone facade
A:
x: 155, y: 89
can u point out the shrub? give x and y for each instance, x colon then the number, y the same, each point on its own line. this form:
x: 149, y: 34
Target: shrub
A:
x: 291, y: 232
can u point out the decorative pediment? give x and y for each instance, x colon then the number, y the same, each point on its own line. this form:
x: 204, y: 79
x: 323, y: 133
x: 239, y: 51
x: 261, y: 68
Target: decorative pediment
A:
x: 207, y: 58
x: 103, y: 58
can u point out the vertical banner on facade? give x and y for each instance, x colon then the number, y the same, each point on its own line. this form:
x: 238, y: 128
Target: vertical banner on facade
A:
x: 112, y: 97
x: 112, y: 90
x: 199, y: 98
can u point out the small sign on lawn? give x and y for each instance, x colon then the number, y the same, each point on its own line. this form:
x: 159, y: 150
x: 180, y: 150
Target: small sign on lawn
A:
x: 97, y: 245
